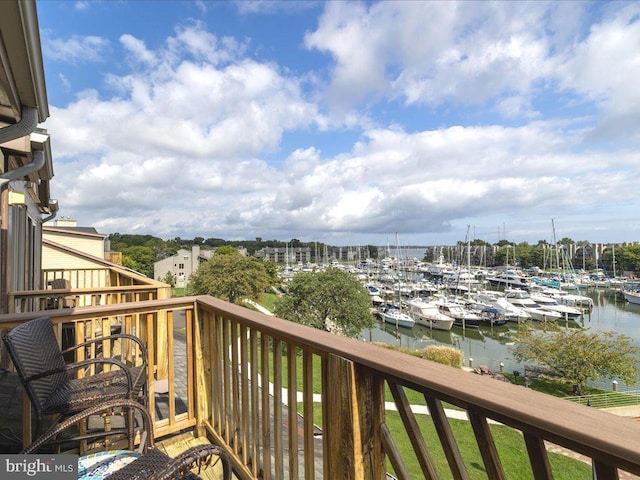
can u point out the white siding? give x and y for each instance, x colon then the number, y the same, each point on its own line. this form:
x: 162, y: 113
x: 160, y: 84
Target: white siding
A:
x: 90, y: 245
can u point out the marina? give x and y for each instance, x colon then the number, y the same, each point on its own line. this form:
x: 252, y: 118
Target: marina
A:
x: 489, y: 346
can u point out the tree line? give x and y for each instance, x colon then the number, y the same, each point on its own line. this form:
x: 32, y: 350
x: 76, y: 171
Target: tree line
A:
x: 140, y: 252
x: 543, y: 255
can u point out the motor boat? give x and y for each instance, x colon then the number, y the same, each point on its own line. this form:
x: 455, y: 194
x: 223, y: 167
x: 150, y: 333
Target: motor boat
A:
x: 549, y: 303
x: 522, y: 299
x: 428, y: 315
x: 509, y: 280
x: 396, y: 317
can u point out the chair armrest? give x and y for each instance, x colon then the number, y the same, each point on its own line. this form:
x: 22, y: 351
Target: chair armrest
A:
x: 198, y: 457
x: 58, y: 428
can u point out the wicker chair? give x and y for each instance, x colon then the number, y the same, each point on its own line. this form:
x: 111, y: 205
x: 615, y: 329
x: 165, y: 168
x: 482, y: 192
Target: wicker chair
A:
x: 148, y: 463
x: 49, y: 380
x: 62, y: 302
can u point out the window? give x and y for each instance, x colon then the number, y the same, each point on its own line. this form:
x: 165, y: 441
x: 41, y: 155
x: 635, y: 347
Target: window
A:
x: 181, y: 266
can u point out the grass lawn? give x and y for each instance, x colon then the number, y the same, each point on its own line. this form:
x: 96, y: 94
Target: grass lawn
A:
x: 268, y: 301
x: 509, y: 442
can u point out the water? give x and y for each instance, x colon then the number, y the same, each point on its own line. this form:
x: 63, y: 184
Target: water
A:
x: 490, y: 346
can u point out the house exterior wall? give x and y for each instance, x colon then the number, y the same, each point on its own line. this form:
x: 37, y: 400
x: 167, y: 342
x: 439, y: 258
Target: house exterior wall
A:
x: 56, y: 259
x: 21, y: 208
x: 181, y: 265
x: 20, y: 246
x: 279, y: 254
x: 90, y: 244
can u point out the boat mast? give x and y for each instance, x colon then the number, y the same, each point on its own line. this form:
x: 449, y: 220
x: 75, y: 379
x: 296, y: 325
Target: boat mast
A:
x: 468, y: 262
x: 555, y: 243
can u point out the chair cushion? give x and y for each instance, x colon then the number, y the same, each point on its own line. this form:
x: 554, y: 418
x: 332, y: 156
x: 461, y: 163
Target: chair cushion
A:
x: 82, y: 393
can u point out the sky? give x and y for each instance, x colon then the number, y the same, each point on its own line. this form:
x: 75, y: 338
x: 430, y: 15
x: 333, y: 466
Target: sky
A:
x: 346, y: 122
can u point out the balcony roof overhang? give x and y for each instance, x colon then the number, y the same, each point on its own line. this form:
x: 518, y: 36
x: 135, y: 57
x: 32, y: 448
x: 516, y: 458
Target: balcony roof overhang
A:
x: 22, y: 82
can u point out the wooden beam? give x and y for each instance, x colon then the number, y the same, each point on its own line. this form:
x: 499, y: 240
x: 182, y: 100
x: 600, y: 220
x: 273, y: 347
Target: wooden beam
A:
x: 487, y: 446
x: 425, y: 460
x: 447, y: 439
x: 538, y: 457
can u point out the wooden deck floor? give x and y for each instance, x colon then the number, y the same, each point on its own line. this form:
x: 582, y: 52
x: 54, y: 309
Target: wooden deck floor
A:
x: 176, y: 444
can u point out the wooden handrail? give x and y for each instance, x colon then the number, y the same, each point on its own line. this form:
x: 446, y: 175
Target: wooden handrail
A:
x: 233, y: 346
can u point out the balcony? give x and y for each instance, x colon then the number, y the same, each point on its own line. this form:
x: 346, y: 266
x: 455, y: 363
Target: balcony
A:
x: 83, y: 287
x: 287, y: 401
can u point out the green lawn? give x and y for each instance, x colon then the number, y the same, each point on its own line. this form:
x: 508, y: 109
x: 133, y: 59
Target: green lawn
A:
x: 509, y: 442
x: 268, y: 301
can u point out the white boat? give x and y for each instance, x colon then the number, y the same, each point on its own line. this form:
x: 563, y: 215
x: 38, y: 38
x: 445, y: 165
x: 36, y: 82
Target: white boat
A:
x: 522, y: 299
x: 632, y: 297
x: 427, y: 314
x: 509, y: 280
x: 509, y: 311
x: 549, y: 303
x: 372, y: 289
x: 397, y: 318
x: 462, y: 317
x: 572, y: 299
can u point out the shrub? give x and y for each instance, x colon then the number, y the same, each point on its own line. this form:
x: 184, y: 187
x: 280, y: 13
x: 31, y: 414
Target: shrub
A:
x: 436, y: 353
x: 443, y: 354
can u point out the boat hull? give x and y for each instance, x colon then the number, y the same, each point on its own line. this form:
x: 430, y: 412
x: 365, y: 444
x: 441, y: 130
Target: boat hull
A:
x: 632, y: 297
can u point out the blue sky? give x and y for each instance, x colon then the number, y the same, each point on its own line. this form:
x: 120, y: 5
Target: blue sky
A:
x: 346, y: 122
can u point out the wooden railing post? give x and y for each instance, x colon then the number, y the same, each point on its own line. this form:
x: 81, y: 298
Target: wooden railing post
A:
x: 203, y: 385
x: 355, y: 401
x: 162, y: 335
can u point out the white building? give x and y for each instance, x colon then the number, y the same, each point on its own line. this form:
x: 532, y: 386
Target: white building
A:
x: 181, y: 265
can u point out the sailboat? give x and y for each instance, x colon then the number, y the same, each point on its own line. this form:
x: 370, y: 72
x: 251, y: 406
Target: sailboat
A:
x: 394, y: 315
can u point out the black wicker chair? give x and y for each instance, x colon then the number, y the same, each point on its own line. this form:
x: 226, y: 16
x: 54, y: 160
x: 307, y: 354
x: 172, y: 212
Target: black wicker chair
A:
x: 50, y: 383
x: 152, y: 464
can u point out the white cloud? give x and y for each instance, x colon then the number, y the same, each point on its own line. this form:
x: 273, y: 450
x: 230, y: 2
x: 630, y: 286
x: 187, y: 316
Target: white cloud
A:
x: 76, y: 49
x: 138, y: 49
x: 182, y: 143
x: 605, y: 68
x: 433, y: 52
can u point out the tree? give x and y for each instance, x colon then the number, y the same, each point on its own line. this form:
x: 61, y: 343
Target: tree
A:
x: 230, y: 277
x: 140, y: 259
x: 227, y: 250
x: 329, y: 296
x: 628, y: 257
x: 579, y: 355
x: 169, y: 278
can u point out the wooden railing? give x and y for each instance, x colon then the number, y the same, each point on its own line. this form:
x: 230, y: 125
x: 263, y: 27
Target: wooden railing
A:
x: 96, y: 277
x: 227, y: 367
x: 88, y: 287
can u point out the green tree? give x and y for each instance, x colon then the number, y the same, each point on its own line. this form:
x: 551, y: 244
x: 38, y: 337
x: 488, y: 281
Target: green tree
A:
x: 227, y: 250
x: 579, y: 355
x: 140, y: 259
x: 230, y: 277
x: 169, y: 278
x: 332, y: 295
x: 480, y: 243
x: 628, y: 257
